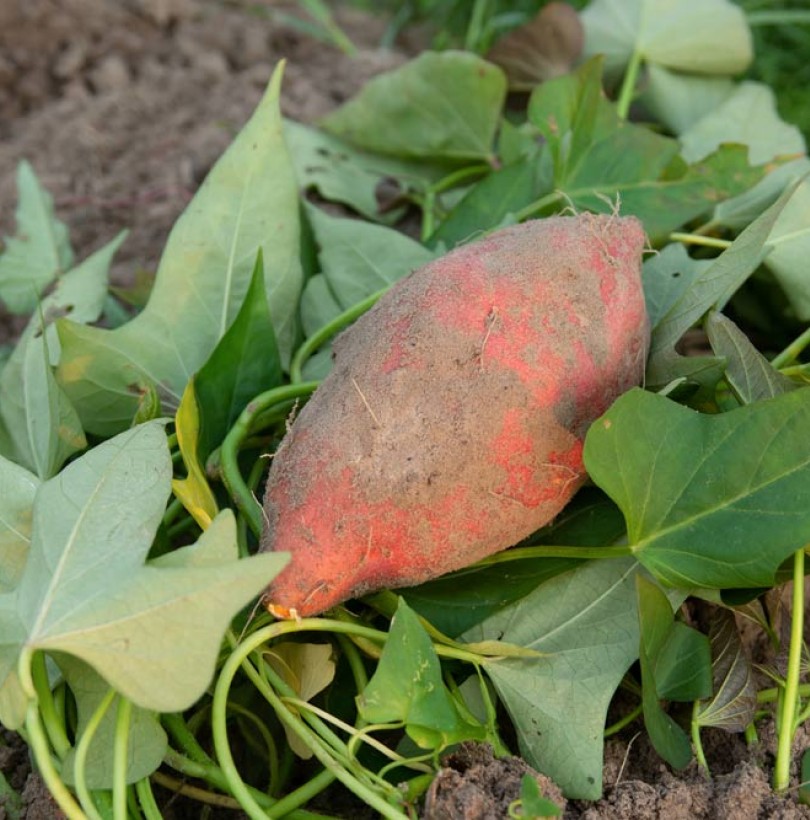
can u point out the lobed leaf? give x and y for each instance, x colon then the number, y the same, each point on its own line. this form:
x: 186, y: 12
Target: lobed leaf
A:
x: 153, y: 631
x: 710, y: 501
x: 249, y: 201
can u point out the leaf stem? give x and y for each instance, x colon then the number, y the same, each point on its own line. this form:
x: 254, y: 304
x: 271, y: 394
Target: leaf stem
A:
x: 787, y: 717
x: 229, y: 452
x: 538, y: 205
x: 697, y: 743
x: 697, y: 239
x: 580, y: 553
x: 146, y: 799
x: 120, y: 754
x: 38, y: 742
x: 628, y: 88
x: 239, y: 658
x: 616, y: 727
x: 322, y: 335
x: 47, y: 708
x: 793, y: 350
x: 82, y: 748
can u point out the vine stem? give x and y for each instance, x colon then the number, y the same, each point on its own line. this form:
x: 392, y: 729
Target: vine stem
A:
x: 628, y: 85
x: 38, y: 742
x: 120, y: 754
x: 239, y: 658
x: 229, y: 452
x: 697, y: 239
x: 322, y: 335
x: 793, y: 350
x: 786, y: 725
x: 697, y: 743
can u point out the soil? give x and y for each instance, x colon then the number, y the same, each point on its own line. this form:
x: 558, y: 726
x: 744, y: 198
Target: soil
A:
x: 122, y: 106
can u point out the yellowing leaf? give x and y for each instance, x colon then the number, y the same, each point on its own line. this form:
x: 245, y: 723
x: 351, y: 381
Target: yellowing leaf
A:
x: 308, y: 668
x: 194, y: 491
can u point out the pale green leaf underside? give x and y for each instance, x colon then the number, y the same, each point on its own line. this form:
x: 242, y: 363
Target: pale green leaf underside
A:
x: 39, y: 252
x: 699, y: 36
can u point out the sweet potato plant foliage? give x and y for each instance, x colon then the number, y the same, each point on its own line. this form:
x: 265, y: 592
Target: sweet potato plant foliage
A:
x: 573, y: 401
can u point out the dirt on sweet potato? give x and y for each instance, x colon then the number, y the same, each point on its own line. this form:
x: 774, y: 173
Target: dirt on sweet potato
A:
x: 451, y: 425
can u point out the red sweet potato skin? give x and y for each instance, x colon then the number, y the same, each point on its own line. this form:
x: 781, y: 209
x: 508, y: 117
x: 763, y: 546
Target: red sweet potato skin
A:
x: 452, y: 423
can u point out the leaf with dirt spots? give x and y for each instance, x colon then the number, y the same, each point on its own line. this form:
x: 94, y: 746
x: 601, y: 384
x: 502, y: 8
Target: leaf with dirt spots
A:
x: 248, y: 202
x: 39, y: 252
x: 716, y: 501
x: 408, y: 688
x: 17, y: 490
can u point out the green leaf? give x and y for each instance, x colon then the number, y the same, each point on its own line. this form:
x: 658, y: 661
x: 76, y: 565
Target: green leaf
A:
x: 789, y: 245
x: 41, y: 421
x: 152, y: 631
x: 41, y: 250
x: 585, y: 622
x: 441, y: 105
x: 697, y: 36
x: 489, y: 203
x: 318, y: 304
x: 747, y: 116
x: 13, y: 701
x: 739, y: 211
x: 17, y: 490
x: 734, y: 700
x: 341, y: 173
x: 666, y: 276
x: 532, y: 803
x: 655, y: 622
x: 244, y: 363
x: 194, y: 492
x: 357, y: 259
x: 683, y: 665
x: 458, y: 601
x: 38, y: 427
x: 147, y: 742
x: 749, y: 374
x: 712, y: 288
x: 710, y: 501
x: 601, y: 161
x: 249, y: 201
x: 680, y: 100
x: 407, y: 687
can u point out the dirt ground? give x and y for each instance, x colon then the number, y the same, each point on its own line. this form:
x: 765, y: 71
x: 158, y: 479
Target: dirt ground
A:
x: 122, y: 106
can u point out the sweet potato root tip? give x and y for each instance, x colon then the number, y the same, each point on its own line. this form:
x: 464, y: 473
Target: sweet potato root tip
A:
x: 452, y: 423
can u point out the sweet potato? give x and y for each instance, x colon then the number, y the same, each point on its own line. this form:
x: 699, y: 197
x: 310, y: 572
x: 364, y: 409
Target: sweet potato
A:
x: 452, y: 423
